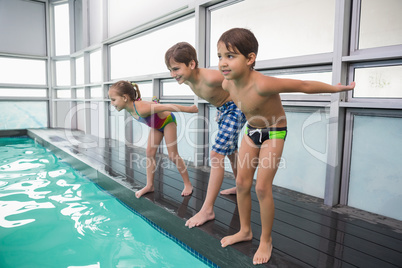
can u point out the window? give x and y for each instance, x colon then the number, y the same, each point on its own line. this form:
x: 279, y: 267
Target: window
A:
x: 95, y: 66
x: 18, y: 92
x: 145, y: 54
x: 22, y: 71
x: 28, y: 20
x: 96, y: 93
x: 304, y: 159
x: 380, y: 23
x: 282, y: 28
x: 30, y: 114
x: 375, y: 171
x: 171, y: 88
x: 378, y: 82
x: 63, y: 73
x: 62, y: 29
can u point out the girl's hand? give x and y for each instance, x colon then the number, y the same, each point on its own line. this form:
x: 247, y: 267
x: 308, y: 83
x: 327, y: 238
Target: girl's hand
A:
x: 193, y: 109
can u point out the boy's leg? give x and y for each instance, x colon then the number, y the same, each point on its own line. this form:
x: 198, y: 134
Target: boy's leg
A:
x: 233, y: 161
x: 247, y: 164
x: 214, y: 184
x: 154, y: 139
x: 170, y: 133
x: 269, y: 159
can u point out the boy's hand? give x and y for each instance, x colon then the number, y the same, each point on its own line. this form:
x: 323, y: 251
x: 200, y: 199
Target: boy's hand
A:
x: 193, y: 109
x: 345, y: 88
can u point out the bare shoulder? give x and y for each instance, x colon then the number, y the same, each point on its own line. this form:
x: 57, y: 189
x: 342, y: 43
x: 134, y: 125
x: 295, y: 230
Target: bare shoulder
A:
x: 265, y: 85
x: 211, y: 77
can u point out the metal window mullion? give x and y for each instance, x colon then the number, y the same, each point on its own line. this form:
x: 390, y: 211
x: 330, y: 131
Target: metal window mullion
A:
x: 337, y: 113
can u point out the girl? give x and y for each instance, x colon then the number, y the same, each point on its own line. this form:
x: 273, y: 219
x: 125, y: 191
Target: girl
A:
x: 161, y: 120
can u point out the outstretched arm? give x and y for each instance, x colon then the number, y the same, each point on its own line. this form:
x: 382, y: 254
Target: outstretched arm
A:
x: 148, y: 108
x: 280, y: 85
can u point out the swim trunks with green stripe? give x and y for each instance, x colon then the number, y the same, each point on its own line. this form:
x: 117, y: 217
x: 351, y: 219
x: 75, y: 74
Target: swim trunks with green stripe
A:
x: 259, y: 135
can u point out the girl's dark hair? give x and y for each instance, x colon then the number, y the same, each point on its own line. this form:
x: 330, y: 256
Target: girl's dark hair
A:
x: 182, y: 52
x: 125, y: 87
x: 240, y: 39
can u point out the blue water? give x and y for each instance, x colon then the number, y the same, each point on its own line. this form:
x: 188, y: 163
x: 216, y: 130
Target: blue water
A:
x: 51, y: 216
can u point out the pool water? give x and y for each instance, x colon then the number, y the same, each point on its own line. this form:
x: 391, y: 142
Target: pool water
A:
x: 51, y: 216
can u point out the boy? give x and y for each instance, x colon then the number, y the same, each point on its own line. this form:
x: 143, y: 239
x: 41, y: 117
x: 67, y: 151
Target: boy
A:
x: 181, y: 60
x: 258, y: 97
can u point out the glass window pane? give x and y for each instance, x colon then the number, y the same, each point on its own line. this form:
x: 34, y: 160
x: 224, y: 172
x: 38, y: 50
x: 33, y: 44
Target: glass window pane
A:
x: 172, y: 88
x: 128, y: 58
x: 23, y: 28
x: 22, y: 71
x: 282, y: 28
x: 95, y: 64
x: 146, y: 90
x: 380, y: 23
x: 80, y: 93
x: 31, y: 114
x: 304, y: 158
x: 63, y: 94
x: 96, y: 93
x: 79, y: 71
x: 121, y: 17
x: 62, y: 29
x: 375, y: 170
x: 63, y: 73
x: 19, y: 92
x: 378, y: 82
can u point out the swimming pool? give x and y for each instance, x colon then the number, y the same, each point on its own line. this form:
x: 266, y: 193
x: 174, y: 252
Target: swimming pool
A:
x: 51, y: 216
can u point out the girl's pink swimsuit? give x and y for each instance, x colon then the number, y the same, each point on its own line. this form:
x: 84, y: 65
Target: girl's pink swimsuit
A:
x: 154, y: 121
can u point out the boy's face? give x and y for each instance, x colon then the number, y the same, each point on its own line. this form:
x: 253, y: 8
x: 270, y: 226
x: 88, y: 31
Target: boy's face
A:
x: 180, y: 71
x: 231, y: 62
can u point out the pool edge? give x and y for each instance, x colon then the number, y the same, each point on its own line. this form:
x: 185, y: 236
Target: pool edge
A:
x: 195, y: 239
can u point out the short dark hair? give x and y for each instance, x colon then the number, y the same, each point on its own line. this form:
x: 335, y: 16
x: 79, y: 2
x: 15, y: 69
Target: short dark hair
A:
x: 241, y: 39
x: 182, y: 52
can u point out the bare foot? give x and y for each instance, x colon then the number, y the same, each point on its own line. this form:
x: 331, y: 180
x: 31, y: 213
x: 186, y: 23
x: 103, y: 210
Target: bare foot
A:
x: 188, y: 190
x: 263, y: 253
x: 229, y: 191
x: 236, y: 238
x: 146, y: 189
x: 200, y: 218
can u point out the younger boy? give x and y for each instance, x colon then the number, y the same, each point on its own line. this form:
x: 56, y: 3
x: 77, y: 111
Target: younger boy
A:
x: 258, y: 97
x: 181, y: 60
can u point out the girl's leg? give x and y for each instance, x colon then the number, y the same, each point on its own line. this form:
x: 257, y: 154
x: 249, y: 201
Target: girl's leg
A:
x: 233, y: 163
x: 154, y: 139
x: 247, y: 163
x: 269, y: 159
x: 171, y: 144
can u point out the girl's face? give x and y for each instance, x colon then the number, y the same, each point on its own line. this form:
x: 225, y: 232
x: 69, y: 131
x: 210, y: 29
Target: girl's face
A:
x: 117, y: 101
x: 232, y: 63
x: 180, y: 71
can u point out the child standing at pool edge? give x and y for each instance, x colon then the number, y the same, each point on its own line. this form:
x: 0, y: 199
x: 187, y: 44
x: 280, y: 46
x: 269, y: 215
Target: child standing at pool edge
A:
x: 258, y: 97
x: 181, y: 60
x: 162, y: 123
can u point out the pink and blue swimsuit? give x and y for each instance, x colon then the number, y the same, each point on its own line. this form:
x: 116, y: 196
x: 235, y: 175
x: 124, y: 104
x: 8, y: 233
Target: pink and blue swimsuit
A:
x: 154, y: 121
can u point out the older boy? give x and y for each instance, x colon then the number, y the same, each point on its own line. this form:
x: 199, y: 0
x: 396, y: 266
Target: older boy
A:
x: 258, y: 97
x: 181, y: 60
